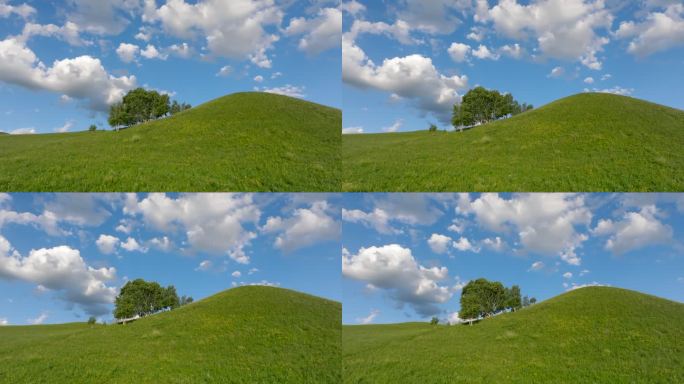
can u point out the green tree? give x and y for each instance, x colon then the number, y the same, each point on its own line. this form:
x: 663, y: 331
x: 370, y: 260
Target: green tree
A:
x: 480, y: 106
x: 141, y: 105
x: 142, y: 298
x: 92, y: 320
x: 434, y: 321
x: 513, y: 300
x: 525, y: 301
x: 432, y: 128
x: 482, y: 297
x: 185, y: 300
x: 92, y: 128
x: 533, y: 300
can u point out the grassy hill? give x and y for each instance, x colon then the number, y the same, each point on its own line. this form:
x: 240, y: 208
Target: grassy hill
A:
x: 243, y: 335
x: 586, y: 142
x: 590, y: 335
x: 241, y: 142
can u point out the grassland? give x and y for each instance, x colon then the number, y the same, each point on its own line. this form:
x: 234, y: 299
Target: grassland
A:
x: 591, y: 335
x: 243, y: 335
x: 241, y: 142
x: 587, y: 142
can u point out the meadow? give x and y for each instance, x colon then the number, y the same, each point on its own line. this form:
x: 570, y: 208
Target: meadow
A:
x: 590, y: 335
x: 241, y: 142
x: 588, y: 142
x: 242, y: 335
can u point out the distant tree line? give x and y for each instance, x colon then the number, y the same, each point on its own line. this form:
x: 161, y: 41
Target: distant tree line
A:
x: 480, y: 106
x: 484, y: 298
x: 142, y: 298
x: 141, y: 105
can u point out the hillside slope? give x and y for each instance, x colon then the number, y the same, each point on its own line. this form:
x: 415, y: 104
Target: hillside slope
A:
x: 590, y: 335
x: 240, y: 142
x: 243, y: 335
x: 585, y: 142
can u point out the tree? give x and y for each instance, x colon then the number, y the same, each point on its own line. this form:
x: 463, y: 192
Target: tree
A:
x: 142, y: 298
x: 92, y: 320
x: 482, y: 298
x: 533, y: 300
x: 526, y: 301
x: 92, y: 128
x: 480, y: 106
x: 140, y: 105
x: 432, y: 128
x: 185, y: 300
x: 513, y: 300
x: 434, y: 321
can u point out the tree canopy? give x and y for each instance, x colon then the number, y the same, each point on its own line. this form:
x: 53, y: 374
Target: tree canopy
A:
x: 140, y: 105
x: 481, y: 105
x: 142, y: 298
x: 482, y: 298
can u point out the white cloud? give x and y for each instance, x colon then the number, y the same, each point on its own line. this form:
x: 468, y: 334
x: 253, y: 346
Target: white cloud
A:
x: 403, y: 208
x: 659, y: 31
x: 213, y: 222
x: 23, y: 10
x: 321, y: 32
x: 483, y: 53
x: 557, y: 72
x: 66, y: 127
x: 579, y: 286
x: 439, y: 243
x: 82, y: 77
x: 132, y: 245
x: 567, y: 275
x: 495, y: 244
x: 459, y: 52
x: 352, y: 7
x: 127, y: 52
x: 394, y: 127
x: 161, y: 243
x: 453, y: 318
x: 69, y: 32
x: 589, y: 80
x: 38, y: 320
x: 306, y: 226
x: 287, y: 90
x: 23, y: 131
x: 605, y: 77
x: 204, y: 265
x: 563, y: 29
x: 617, y: 90
x: 151, y: 52
x: 81, y: 209
x: 536, y: 266
x: 102, y: 17
x: 107, y: 244
x: 63, y: 270
x: 3, y: 321
x: 182, y: 50
x: 258, y: 78
x: 352, y: 130
x: 394, y: 269
x: 545, y: 223
x: 225, y: 71
x: 464, y: 245
x: 514, y: 51
x: 144, y: 34
x: 433, y: 17
x: 236, y: 274
x: 412, y: 77
x: 369, y: 319
x: 234, y: 29
x: 583, y: 272
x: 635, y: 230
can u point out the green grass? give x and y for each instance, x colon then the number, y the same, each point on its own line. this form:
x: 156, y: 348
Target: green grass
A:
x: 591, y: 335
x: 243, y: 335
x: 241, y: 142
x: 586, y: 142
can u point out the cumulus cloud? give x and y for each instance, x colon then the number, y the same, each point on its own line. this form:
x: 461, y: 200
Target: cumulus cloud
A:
x: 40, y: 319
x: 433, y: 17
x: 225, y: 71
x: 127, y: 52
x: 402, y: 208
x: 483, y: 53
x: 306, y: 226
x: 459, y: 52
x: 393, y: 268
x: 394, y: 127
x: 22, y: 10
x: 352, y: 130
x: 563, y: 29
x: 369, y: 319
x: 320, y: 33
x: 65, y: 128
x: 635, y: 230
x: 439, y: 243
x: 236, y: 274
x: 62, y: 270
x: 413, y: 77
x: 464, y: 245
x: 204, y: 265
x: 557, y: 72
x: 234, y: 29
x: 589, y: 80
x: 82, y: 78
x: 536, y: 266
x: 3, y: 321
x: 352, y: 7
x: 132, y: 245
x: 659, y: 31
x: 546, y: 224
x: 213, y: 223
x: 107, y: 244
x: 617, y: 90
x: 287, y: 90
x: 68, y: 32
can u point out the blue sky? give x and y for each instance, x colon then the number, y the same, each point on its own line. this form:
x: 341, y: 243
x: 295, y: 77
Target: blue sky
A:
x: 62, y: 63
x: 405, y: 63
x: 407, y: 256
x: 63, y: 257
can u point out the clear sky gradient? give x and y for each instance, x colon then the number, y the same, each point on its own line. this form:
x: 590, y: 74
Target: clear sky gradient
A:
x: 405, y: 63
x: 63, y: 257
x: 62, y: 63
x: 407, y: 256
